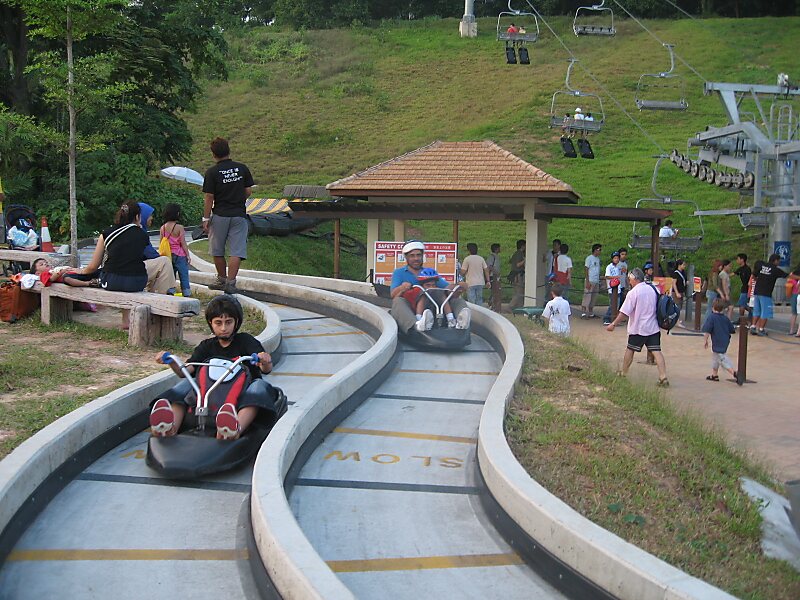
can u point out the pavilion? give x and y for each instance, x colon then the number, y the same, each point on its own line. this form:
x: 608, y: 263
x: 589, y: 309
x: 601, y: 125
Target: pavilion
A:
x: 473, y: 181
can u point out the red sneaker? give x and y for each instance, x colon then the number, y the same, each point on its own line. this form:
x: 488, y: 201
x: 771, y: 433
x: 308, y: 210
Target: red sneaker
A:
x: 227, y: 422
x: 162, y: 419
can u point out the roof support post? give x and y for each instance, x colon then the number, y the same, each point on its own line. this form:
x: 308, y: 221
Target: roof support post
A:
x: 655, y: 229
x: 337, y: 238
x: 399, y: 230
x: 532, y: 254
x: 373, y: 231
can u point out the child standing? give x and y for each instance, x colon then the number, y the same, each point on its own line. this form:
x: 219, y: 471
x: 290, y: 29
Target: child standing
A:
x: 557, y: 312
x: 718, y: 328
x: 175, y: 234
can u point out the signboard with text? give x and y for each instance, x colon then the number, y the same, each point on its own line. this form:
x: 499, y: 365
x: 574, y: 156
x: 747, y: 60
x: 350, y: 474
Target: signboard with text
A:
x: 664, y: 284
x: 439, y: 256
x: 697, y: 283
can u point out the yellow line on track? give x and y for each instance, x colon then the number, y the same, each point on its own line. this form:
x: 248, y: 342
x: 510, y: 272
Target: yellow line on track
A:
x: 308, y: 335
x: 493, y: 373
x: 288, y: 374
x: 137, y: 554
x: 425, y: 562
x: 407, y: 434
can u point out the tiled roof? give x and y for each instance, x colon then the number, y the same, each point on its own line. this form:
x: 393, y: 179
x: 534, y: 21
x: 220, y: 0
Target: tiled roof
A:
x: 453, y: 167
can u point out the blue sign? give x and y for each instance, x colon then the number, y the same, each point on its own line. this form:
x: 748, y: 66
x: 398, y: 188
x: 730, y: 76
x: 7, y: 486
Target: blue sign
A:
x: 784, y: 250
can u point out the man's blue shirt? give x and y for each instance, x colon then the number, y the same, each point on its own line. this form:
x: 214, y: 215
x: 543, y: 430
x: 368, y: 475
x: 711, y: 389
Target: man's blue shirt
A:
x: 403, y: 275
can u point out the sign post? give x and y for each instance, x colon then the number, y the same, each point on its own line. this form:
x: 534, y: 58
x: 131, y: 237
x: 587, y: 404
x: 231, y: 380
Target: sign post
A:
x: 697, y: 285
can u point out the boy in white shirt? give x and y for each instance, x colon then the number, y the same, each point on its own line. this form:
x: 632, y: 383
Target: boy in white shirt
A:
x: 557, y: 312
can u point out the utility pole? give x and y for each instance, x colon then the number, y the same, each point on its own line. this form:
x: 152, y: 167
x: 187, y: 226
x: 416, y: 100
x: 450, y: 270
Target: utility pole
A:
x: 468, y: 27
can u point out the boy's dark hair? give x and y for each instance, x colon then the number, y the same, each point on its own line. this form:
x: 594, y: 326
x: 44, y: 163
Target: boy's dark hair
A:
x: 596, y: 247
x: 127, y: 213
x: 472, y: 247
x: 679, y: 262
x: 495, y: 247
x: 520, y: 244
x: 623, y: 249
x: 564, y: 249
x: 220, y: 147
x: 725, y: 262
x: 557, y: 241
x: 34, y: 263
x: 774, y: 258
x: 222, y: 305
x: 557, y: 289
x: 719, y: 305
x: 742, y: 255
x: 172, y: 212
x: 668, y: 223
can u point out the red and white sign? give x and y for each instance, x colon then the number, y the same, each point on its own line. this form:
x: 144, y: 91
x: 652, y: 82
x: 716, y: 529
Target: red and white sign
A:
x: 697, y: 284
x: 439, y: 256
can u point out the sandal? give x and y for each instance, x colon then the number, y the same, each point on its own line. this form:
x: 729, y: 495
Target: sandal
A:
x: 663, y: 382
x: 714, y: 377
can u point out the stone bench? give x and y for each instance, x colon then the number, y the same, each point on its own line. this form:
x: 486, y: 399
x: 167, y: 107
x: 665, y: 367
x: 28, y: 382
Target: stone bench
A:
x: 153, y: 316
x: 28, y: 256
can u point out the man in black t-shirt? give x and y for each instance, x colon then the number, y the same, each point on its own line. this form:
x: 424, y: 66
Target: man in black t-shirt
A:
x: 227, y: 185
x: 766, y: 273
x: 744, y: 273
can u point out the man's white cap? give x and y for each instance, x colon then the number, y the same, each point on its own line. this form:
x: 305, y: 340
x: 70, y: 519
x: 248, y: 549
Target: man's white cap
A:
x: 577, y: 110
x: 413, y: 245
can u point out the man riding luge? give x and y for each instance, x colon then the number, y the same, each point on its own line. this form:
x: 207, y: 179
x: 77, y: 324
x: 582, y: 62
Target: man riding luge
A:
x: 405, y: 278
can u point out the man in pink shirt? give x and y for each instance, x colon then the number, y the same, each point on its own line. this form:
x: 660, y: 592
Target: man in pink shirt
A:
x: 643, y: 330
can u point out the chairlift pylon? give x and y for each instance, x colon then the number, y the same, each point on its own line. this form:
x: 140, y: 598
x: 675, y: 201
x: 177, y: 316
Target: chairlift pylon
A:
x: 526, y: 24
x: 690, y: 238
x: 653, y: 88
x: 582, y: 24
x: 582, y: 121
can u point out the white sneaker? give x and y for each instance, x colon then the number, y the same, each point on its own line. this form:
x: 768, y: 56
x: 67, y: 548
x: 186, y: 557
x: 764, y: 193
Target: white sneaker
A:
x: 463, y: 319
x: 426, y: 322
x: 451, y: 324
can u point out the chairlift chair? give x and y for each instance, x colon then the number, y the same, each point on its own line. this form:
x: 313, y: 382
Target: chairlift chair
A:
x: 586, y: 17
x: 662, y: 91
x: 559, y: 108
x: 525, y: 20
x: 690, y: 238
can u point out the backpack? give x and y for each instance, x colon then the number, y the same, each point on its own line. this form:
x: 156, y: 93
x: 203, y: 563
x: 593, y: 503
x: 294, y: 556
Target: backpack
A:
x: 667, y: 312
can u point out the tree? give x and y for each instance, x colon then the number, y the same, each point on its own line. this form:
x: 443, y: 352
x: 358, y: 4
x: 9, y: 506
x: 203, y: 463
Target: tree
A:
x: 69, y: 21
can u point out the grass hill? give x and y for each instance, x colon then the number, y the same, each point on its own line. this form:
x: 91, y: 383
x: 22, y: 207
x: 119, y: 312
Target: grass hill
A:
x: 311, y: 107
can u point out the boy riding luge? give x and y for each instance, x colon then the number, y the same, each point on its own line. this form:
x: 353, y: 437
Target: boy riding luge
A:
x: 260, y: 400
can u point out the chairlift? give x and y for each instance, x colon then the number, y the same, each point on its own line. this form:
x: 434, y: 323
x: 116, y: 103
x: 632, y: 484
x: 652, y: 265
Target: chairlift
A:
x: 662, y: 91
x: 594, y: 20
x: 575, y: 111
x: 690, y: 238
x: 525, y: 27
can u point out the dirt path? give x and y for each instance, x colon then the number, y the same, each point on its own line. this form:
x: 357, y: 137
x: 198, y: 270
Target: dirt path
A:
x: 762, y: 418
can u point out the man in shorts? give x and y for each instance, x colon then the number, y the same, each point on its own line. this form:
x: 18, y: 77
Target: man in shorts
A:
x: 226, y: 187
x: 643, y: 330
x: 766, y: 273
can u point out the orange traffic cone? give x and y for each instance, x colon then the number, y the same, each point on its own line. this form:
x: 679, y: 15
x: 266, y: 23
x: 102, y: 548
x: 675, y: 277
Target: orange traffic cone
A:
x: 47, y: 243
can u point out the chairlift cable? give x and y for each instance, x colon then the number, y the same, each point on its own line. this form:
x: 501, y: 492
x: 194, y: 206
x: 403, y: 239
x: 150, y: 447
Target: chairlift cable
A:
x: 655, y: 37
x: 600, y: 85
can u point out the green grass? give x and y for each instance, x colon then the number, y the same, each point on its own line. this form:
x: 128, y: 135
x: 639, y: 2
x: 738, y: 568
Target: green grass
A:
x: 620, y: 454
x: 315, y: 106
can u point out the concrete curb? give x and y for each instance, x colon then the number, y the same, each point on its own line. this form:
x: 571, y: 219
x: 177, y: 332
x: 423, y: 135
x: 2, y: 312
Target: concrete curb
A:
x: 30, y: 464
x: 615, y: 565
x: 294, y: 566
x: 344, y: 286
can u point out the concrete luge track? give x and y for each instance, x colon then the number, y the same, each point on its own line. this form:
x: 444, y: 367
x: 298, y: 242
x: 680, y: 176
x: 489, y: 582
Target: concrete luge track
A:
x: 118, y: 529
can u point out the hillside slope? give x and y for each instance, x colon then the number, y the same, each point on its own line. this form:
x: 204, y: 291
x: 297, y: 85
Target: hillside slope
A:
x: 314, y: 106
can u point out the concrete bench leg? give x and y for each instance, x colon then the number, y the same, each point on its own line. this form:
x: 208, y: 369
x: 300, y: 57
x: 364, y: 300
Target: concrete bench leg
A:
x: 55, y: 310
x: 167, y: 328
x: 140, y: 332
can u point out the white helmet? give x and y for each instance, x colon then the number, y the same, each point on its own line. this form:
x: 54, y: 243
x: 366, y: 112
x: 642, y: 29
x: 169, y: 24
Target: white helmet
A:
x: 578, y: 110
x: 413, y: 245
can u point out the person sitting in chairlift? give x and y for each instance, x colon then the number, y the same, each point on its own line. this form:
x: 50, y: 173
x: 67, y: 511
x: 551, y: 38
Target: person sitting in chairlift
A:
x: 579, y: 116
x: 667, y: 231
x: 512, y: 29
x: 588, y: 117
x: 522, y: 30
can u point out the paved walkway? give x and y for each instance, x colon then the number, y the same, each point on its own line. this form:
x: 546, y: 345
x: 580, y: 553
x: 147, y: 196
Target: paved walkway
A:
x: 762, y: 418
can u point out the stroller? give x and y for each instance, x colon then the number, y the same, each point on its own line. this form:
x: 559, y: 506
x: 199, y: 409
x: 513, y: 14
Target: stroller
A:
x: 20, y: 232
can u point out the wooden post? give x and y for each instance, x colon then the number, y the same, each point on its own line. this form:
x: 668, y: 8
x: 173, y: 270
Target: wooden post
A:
x: 337, y: 239
x: 741, y: 367
x: 654, y: 231
x: 614, y: 302
x: 139, y: 330
x: 698, y: 307
x: 455, y: 231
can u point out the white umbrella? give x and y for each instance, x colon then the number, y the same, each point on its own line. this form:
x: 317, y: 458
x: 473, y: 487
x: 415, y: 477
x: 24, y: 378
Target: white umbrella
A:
x: 183, y: 174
